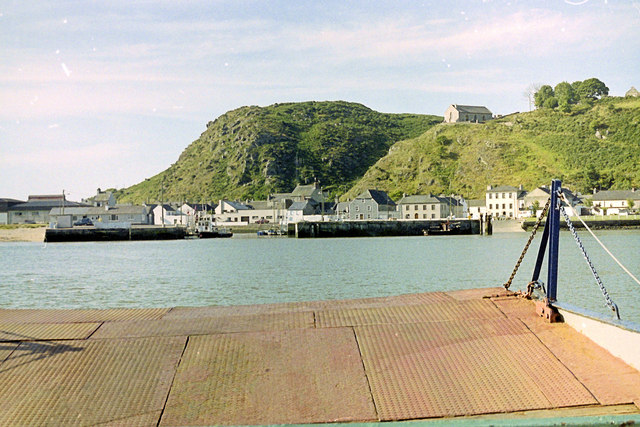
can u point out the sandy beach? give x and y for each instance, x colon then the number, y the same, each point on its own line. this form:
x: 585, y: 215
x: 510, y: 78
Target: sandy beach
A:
x: 22, y: 234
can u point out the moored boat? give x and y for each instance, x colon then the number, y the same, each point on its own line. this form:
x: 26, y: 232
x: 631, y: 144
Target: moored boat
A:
x: 206, y: 229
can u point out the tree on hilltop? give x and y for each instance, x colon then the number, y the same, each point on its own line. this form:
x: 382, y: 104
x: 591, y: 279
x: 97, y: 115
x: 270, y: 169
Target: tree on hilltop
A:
x: 542, y: 95
x: 565, y: 93
x: 592, y: 89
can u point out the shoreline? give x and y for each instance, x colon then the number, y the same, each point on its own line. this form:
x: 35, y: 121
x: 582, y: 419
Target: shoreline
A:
x: 22, y: 234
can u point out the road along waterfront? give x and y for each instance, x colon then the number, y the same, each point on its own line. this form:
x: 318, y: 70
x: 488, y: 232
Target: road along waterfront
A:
x: 248, y: 270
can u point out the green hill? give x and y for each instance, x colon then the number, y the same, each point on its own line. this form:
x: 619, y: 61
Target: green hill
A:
x: 253, y: 151
x: 595, y: 145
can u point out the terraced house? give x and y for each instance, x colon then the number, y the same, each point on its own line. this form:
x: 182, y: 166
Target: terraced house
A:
x: 371, y: 204
x: 429, y: 206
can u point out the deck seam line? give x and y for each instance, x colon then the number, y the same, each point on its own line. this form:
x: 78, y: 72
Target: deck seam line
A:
x: 173, y: 379
x: 364, y: 370
x: 95, y: 330
x: 500, y: 310
x: 560, y: 362
x: 167, y: 312
x: 19, y: 343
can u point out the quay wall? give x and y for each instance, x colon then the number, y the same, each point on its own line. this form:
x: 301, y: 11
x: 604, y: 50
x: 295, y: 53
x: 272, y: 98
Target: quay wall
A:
x: 90, y: 234
x: 374, y: 228
x: 594, y: 224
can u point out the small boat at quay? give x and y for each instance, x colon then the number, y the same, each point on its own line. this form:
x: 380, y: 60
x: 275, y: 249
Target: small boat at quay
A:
x: 206, y: 229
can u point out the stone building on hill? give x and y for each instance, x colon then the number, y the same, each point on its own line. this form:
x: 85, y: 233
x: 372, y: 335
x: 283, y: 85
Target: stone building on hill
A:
x: 632, y: 92
x: 467, y: 113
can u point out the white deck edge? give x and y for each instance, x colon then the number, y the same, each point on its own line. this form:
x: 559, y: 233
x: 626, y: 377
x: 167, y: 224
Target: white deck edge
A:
x: 620, y: 342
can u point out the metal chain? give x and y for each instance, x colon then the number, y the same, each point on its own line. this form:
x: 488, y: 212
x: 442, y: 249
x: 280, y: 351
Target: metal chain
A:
x: 526, y: 247
x: 612, y: 305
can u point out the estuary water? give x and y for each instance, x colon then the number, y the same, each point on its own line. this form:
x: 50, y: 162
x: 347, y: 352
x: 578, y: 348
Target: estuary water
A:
x: 251, y: 270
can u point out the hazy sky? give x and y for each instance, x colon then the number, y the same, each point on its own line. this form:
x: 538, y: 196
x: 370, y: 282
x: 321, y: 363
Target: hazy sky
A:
x: 108, y: 93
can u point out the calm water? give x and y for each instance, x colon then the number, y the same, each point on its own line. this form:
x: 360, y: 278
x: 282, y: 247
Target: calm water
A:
x: 249, y: 270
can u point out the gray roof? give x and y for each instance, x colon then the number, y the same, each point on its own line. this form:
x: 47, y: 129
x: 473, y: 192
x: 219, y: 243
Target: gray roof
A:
x: 300, y: 206
x: 201, y: 207
x: 428, y: 198
x: 502, y: 188
x: 476, y: 202
x: 43, y: 205
x: 304, y: 190
x: 616, y: 195
x: 472, y: 109
x: 418, y: 198
x: 565, y: 191
x: 379, y: 196
x: 91, y: 210
x: 102, y: 196
x: 237, y: 205
x: 5, y: 203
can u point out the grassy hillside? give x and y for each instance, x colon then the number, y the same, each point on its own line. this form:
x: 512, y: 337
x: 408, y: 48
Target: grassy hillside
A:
x: 253, y: 151
x: 593, y: 146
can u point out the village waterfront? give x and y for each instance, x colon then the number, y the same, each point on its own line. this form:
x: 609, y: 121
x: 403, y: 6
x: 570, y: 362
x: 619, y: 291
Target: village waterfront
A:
x: 250, y: 270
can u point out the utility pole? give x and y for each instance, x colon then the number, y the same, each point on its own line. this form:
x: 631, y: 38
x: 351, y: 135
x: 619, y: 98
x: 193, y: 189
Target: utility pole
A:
x: 162, y: 201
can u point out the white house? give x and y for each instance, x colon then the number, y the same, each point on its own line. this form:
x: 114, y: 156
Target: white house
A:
x: 477, y: 208
x: 168, y: 215
x: 615, y: 202
x: 504, y: 201
x: 230, y: 211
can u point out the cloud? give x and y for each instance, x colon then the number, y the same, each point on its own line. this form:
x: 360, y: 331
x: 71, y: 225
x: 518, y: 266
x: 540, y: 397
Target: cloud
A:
x: 64, y: 157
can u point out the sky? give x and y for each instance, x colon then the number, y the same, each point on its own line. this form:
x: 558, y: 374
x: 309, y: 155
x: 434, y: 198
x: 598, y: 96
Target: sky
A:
x: 103, y: 94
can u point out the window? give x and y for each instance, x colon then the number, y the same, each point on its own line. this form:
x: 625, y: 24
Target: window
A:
x: 424, y: 216
x: 357, y: 208
x: 415, y: 207
x: 433, y: 216
x: 503, y: 196
x: 503, y: 206
x: 490, y: 206
x: 408, y: 216
x: 369, y: 208
x: 114, y: 217
x: 510, y: 205
x: 424, y: 207
x: 490, y: 195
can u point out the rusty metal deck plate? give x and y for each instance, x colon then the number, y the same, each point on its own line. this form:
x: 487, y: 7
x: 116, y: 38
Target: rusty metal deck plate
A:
x: 74, y: 316
x: 449, y: 310
x: 297, y: 376
x: 6, y: 349
x: 207, y: 325
x: 456, y: 368
x: 308, y: 306
x: 88, y: 382
x: 46, y: 331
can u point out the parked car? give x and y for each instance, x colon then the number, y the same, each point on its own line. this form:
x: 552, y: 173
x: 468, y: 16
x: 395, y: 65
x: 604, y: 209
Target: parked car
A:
x: 83, y: 221
x: 262, y: 221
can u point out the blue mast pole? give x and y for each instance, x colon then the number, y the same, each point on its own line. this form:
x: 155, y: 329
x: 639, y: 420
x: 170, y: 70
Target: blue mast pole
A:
x: 554, y: 234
